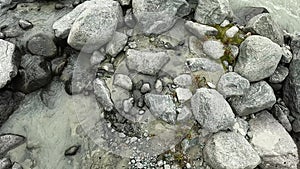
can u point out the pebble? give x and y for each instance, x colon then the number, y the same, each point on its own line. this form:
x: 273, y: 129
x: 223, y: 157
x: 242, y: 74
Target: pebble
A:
x: 25, y: 24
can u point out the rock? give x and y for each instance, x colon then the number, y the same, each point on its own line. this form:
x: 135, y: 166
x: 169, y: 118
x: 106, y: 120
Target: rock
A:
x: 212, y: 12
x: 5, y: 163
x: 211, y: 110
x: 184, y: 114
x: 264, y: 25
x: 58, y: 65
x: 97, y: 58
x: 279, y: 75
x: 291, y: 89
x: 124, y: 2
x: 161, y: 106
x: 41, y: 44
x: 25, y: 24
x: 232, y: 84
x: 260, y: 96
x: 199, y: 30
x: 95, y: 26
x: 196, y: 64
x: 287, y: 55
x: 273, y: 143
x: 214, y: 49
x: 35, y: 72
x: 183, y: 80
x: 145, y: 88
x: 231, y: 32
x: 196, y: 46
x: 9, y: 142
x: 281, y: 112
x: 258, y: 58
x: 16, y: 166
x: 123, y: 81
x: 129, y: 19
x: 156, y: 16
x: 230, y: 151
x: 72, y: 150
x: 117, y: 44
x: 128, y: 104
x: 102, y: 94
x: 183, y: 94
x: 225, y: 23
x: 241, y: 126
x: 244, y: 14
x: 146, y: 62
x: 8, y: 69
x: 158, y: 86
x: 296, y: 125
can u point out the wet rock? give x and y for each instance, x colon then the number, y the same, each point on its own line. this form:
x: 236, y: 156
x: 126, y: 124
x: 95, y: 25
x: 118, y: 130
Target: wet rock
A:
x: 88, y: 35
x: 34, y: 73
x: 196, y: 64
x: 161, y: 106
x: 258, y: 58
x: 156, y: 16
x: 279, y: 75
x: 9, y: 142
x: 244, y: 14
x: 183, y: 94
x: 183, y: 80
x: 287, y: 55
x: 25, y: 24
x: 41, y: 44
x: 146, y: 62
x: 199, y: 30
x: 264, y: 25
x: 5, y: 163
x: 230, y: 151
x: 231, y: 32
x: 103, y: 94
x: 72, y: 150
x: 211, y: 110
x: 123, y: 81
x: 260, y: 96
x: 16, y: 166
x: 291, y: 89
x: 212, y: 11
x: 8, y: 68
x: 57, y: 65
x: 214, y: 49
x: 232, y: 84
x: 273, y: 143
x: 116, y: 44
x: 97, y: 58
x: 281, y: 112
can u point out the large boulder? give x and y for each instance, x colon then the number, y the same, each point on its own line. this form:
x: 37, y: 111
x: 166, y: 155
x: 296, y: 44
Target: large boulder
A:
x: 8, y: 69
x: 211, y: 110
x: 230, y: 151
x: 258, y: 58
x: 273, y: 143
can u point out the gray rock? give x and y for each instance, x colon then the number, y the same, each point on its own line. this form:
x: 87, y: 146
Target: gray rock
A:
x: 273, y: 143
x: 232, y: 84
x: 183, y: 80
x: 244, y: 14
x: 214, y: 49
x: 146, y: 62
x: 184, y: 114
x: 41, y: 44
x: 291, y: 89
x: 264, y: 25
x: 211, y: 110
x: 58, y: 65
x: 8, y: 69
x: 25, y: 24
x: 212, y: 11
x: 128, y: 104
x: 199, y: 30
x: 260, y: 96
x: 123, y: 81
x: 124, y: 2
x: 241, y: 126
x: 117, y: 44
x: 196, y: 64
x: 129, y: 19
x: 72, y: 150
x: 196, y: 46
x: 287, y: 55
x: 279, y: 75
x: 5, y: 163
x: 230, y: 151
x: 161, y: 106
x: 281, y: 112
x: 258, y: 58
x: 16, y: 166
x: 146, y: 87
x: 231, y: 32
x: 34, y: 74
x: 9, y: 142
x: 158, y: 86
x: 97, y: 58
x: 156, y: 16
x: 102, y: 94
x: 95, y: 26
x: 296, y: 125
x: 183, y: 94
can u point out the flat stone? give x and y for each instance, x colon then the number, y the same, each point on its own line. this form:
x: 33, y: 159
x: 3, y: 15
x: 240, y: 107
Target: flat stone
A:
x: 212, y: 12
x: 244, y: 14
x: 199, y: 30
x: 102, y: 94
x: 161, y: 106
x: 41, y: 44
x: 196, y: 64
x: 123, y: 81
x: 264, y: 25
x: 211, y: 110
x: 8, y: 69
x: 279, y: 75
x: 258, y: 58
x: 9, y: 142
x: 183, y: 80
x: 273, y: 143
x: 214, y: 49
x: 231, y: 32
x: 146, y: 62
x: 232, y: 84
x: 5, y: 163
x: 183, y: 94
x: 117, y: 44
x: 230, y: 151
x: 260, y: 96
